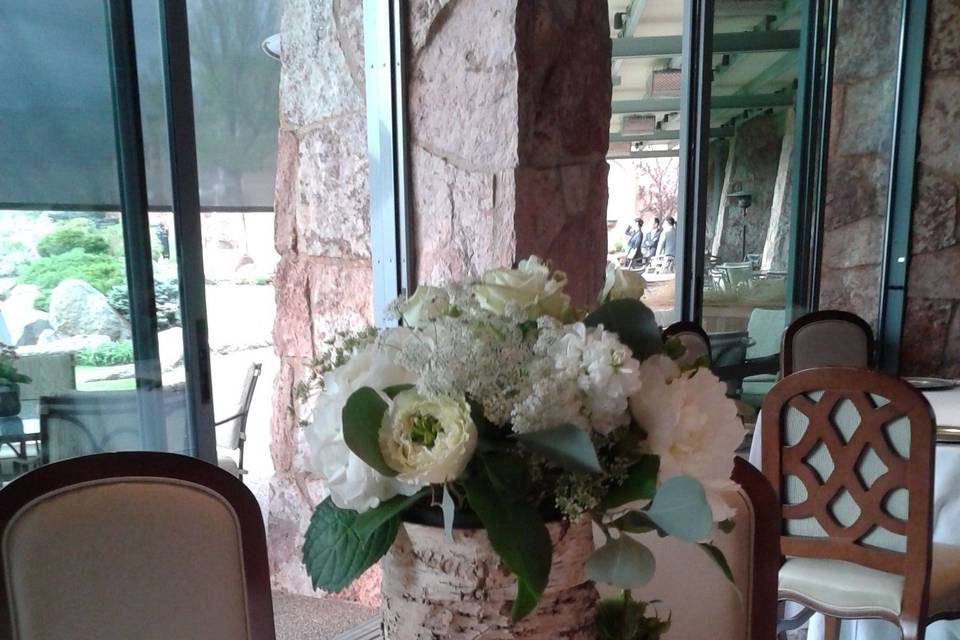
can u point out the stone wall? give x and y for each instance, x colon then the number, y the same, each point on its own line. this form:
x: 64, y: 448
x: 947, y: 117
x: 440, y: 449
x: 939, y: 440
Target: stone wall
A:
x: 323, y: 280
x: 931, y: 332
x: 509, y: 130
x: 858, y: 165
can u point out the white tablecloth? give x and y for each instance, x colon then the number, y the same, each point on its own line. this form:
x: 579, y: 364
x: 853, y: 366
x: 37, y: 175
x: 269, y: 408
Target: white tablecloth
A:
x: 946, y: 522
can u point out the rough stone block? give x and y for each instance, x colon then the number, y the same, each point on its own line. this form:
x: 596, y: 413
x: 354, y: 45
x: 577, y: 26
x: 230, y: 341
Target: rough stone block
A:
x: 285, y: 192
x: 868, y: 33
x: 943, y: 36
x: 935, y: 212
x: 322, y: 63
x: 924, y: 344
x: 856, y: 290
x: 463, y: 85
x: 856, y: 188
x: 292, y: 326
x: 939, y: 115
x: 564, y: 93
x: 951, y: 360
x: 868, y: 116
x: 341, y: 296
x: 425, y: 19
x: 333, y: 207
x: 856, y: 244
x: 934, y: 275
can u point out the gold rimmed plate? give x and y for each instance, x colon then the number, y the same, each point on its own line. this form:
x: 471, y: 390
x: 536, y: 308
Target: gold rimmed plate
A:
x: 949, y: 435
x: 932, y: 384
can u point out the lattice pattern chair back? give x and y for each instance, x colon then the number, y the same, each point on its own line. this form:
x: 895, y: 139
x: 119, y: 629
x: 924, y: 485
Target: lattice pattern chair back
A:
x: 850, y: 452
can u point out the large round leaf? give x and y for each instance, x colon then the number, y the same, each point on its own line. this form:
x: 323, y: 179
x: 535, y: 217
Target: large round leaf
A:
x: 680, y: 508
x: 622, y: 562
x: 633, y: 322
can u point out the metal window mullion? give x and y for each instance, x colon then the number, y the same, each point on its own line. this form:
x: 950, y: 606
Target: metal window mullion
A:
x: 694, y: 146
x: 135, y: 222
x: 903, y: 155
x: 187, y: 224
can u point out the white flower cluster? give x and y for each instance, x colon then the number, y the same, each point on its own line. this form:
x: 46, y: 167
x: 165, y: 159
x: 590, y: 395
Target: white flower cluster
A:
x: 511, y: 344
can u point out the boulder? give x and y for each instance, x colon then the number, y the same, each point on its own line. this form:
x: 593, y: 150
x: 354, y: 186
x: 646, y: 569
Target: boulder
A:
x: 51, y: 342
x: 32, y: 331
x: 77, y: 309
x: 19, y: 314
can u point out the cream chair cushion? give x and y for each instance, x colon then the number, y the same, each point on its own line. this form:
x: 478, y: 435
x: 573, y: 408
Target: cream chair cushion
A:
x: 703, y: 604
x: 830, y: 343
x: 857, y: 591
x: 152, y: 559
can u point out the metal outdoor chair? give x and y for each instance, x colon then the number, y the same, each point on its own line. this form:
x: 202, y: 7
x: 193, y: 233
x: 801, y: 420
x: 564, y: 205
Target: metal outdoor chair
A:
x: 850, y: 452
x: 231, y: 432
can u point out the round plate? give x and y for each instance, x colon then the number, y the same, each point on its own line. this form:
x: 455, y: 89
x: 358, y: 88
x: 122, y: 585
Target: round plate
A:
x: 932, y: 384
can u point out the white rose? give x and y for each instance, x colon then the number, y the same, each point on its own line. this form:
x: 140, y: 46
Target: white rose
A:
x: 351, y: 482
x: 424, y: 306
x: 691, y: 425
x: 427, y: 440
x: 622, y: 283
x: 532, y: 289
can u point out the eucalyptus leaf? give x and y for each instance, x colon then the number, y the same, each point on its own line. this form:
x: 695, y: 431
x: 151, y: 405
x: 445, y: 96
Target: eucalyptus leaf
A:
x: 634, y: 522
x: 335, y: 554
x: 640, y: 483
x: 680, y: 508
x: 518, y: 535
x: 633, y: 322
x: 446, y: 505
x: 394, y: 390
x: 567, y: 446
x: 362, y: 416
x: 721, y: 561
x: 622, y: 562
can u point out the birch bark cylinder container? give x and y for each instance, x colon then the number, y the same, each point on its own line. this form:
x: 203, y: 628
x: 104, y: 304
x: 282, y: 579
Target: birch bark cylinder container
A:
x: 433, y: 588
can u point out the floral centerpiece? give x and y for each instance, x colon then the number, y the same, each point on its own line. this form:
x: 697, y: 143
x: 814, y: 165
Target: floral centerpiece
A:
x: 498, y: 406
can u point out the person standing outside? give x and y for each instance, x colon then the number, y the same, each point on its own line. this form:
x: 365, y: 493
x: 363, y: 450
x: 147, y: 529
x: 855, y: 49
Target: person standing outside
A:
x: 667, y: 243
x: 650, y: 240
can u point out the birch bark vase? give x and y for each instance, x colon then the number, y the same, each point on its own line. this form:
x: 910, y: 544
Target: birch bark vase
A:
x: 433, y: 588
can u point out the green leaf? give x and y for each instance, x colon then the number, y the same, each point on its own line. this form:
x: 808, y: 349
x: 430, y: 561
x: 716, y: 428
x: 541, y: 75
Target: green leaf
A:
x: 369, y: 521
x: 362, y: 416
x: 640, y: 483
x: 446, y: 505
x: 566, y: 446
x: 335, y: 554
x: 633, y: 322
x: 634, y: 522
x: 518, y: 535
x: 507, y: 471
x: 622, y: 562
x: 721, y: 561
x: 680, y: 508
x: 394, y: 390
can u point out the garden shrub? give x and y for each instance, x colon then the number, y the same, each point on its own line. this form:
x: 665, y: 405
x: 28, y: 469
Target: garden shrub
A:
x: 101, y: 271
x: 75, y: 234
x: 106, y: 355
x: 168, y: 302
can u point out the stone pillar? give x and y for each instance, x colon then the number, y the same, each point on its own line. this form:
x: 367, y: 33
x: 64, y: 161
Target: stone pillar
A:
x: 776, y: 246
x: 509, y: 107
x: 323, y: 280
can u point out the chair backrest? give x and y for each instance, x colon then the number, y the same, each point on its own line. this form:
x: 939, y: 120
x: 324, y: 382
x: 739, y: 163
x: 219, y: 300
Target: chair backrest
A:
x: 229, y: 437
x: 50, y: 374
x: 826, y: 338
x: 737, y: 273
x: 765, y: 328
x: 850, y: 452
x: 693, y: 338
x: 700, y: 599
x: 150, y: 546
x: 87, y: 422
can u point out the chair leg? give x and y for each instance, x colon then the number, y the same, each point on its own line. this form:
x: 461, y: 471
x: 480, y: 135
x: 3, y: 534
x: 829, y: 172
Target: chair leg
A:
x: 831, y: 628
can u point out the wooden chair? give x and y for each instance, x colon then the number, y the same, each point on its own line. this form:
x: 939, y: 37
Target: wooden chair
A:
x: 850, y: 453
x: 694, y: 339
x: 232, y: 432
x: 140, y: 545
x: 826, y: 338
x: 701, y: 601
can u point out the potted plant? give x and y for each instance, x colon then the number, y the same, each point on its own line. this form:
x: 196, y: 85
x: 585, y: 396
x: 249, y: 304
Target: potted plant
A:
x: 480, y: 447
x: 10, y: 380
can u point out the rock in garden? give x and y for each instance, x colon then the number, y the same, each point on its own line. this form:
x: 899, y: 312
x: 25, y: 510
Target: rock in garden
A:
x: 19, y: 313
x: 52, y: 343
x: 32, y: 331
x: 170, y: 345
x: 77, y: 309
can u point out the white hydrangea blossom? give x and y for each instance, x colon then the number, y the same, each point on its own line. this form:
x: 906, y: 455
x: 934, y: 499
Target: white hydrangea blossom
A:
x: 584, y: 376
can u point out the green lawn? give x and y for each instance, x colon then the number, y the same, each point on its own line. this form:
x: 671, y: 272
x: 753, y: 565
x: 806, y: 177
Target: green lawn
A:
x: 102, y: 385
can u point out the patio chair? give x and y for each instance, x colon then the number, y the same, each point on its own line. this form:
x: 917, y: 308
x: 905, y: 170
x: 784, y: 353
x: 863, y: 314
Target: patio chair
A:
x: 751, y: 366
x: 693, y: 338
x: 232, y: 432
x: 850, y: 453
x: 736, y: 275
x: 140, y: 545
x: 826, y: 339
x: 709, y: 606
